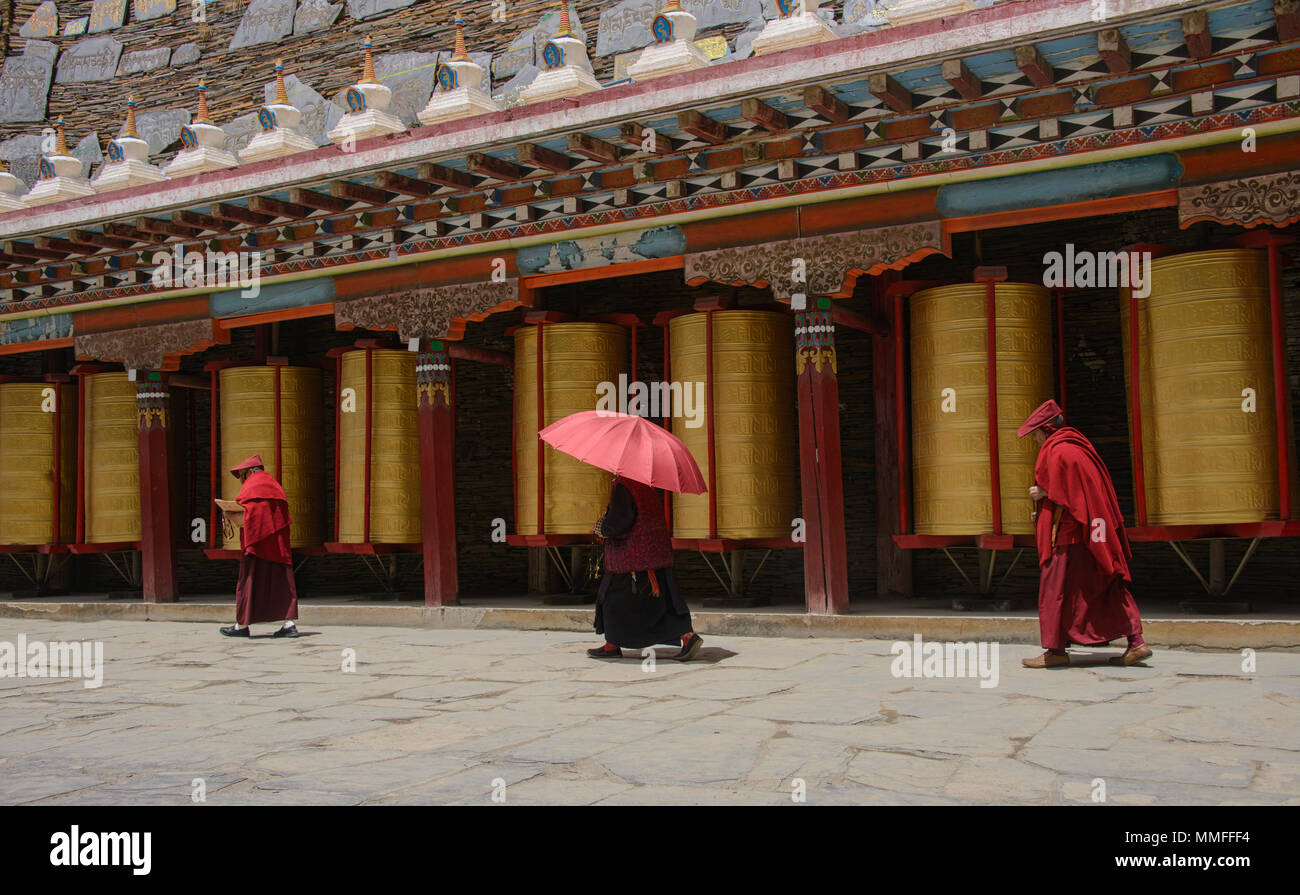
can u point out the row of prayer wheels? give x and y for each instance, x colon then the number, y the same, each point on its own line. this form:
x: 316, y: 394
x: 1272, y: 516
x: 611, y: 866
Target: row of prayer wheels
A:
x: 1204, y: 337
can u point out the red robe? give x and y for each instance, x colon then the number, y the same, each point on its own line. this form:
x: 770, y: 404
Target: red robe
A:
x: 266, y: 591
x: 1083, y: 550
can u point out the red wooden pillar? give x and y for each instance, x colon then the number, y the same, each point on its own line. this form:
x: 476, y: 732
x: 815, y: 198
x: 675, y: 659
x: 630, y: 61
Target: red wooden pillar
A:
x: 157, y: 551
x: 893, y: 564
x: 436, y: 390
x: 825, y: 554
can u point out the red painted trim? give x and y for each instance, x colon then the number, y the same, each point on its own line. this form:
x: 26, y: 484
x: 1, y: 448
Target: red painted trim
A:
x: 541, y: 424
x: 667, y: 420
x: 321, y: 310
x: 991, y: 382
x: 214, y: 459
x: 338, y: 429
x: 58, y: 463
x: 900, y: 394
x: 370, y: 416
x: 279, y: 470
x: 608, y: 271
x: 1135, y: 399
x: 990, y: 542
x: 1279, y: 379
x: 1090, y: 208
x: 1271, y: 529
x: 81, y: 460
x: 44, y: 345
x: 708, y: 390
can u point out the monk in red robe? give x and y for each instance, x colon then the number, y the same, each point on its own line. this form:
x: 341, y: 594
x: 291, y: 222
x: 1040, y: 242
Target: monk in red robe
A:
x: 265, y: 591
x: 1083, y: 551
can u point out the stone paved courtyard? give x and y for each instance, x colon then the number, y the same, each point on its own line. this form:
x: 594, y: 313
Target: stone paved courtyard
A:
x: 458, y: 716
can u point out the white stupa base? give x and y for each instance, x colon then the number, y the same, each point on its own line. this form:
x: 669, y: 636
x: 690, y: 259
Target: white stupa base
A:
x: 794, y: 31
x: 56, y: 189
x: 128, y: 172
x: 199, y: 160
x: 904, y: 12
x: 275, y: 144
x: 368, y: 123
x: 555, y: 83
x: 9, y: 202
x: 459, y: 103
x: 669, y: 58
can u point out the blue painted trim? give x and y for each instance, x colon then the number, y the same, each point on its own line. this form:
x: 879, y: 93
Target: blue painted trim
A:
x: 276, y: 297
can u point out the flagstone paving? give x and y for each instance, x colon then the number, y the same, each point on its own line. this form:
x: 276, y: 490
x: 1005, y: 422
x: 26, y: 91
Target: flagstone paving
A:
x: 525, y: 718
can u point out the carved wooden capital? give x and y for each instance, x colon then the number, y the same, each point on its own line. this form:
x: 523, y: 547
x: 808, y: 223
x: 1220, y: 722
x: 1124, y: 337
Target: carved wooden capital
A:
x: 435, y: 312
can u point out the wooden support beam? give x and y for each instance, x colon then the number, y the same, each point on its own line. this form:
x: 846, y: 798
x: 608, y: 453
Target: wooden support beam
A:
x: 201, y: 221
x: 238, y: 214
x: 99, y: 240
x: 755, y: 111
x: 359, y: 192
x: 590, y: 147
x: 827, y: 104
x: 961, y: 79
x: 18, y: 249
x: 1287, y: 15
x: 126, y: 231
x: 157, y: 548
x: 448, y: 177
x: 540, y: 157
x: 319, y: 201
x: 165, y: 228
x: 404, y: 186
x: 1196, y: 34
x: 491, y: 166
x: 276, y: 208
x: 64, y: 247
x: 1114, y: 51
x: 702, y: 127
x: 884, y: 88
x: 640, y: 138
x: 1034, y: 67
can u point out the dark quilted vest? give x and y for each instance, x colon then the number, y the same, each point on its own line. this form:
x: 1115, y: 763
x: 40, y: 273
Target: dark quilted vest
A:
x: 647, y: 545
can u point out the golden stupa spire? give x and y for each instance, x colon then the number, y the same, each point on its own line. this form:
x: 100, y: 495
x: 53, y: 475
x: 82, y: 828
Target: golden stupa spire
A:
x: 61, y: 145
x: 566, y: 27
x: 128, y: 129
x: 281, y: 94
x: 673, y: 6
x: 368, y: 69
x: 202, y: 116
x: 461, y: 52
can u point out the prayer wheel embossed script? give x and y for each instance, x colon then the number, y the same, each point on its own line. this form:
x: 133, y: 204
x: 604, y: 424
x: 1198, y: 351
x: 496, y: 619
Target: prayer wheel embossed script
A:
x: 394, y: 449
x: 756, y: 453
x: 27, y: 462
x: 249, y: 415
x: 951, y: 471
x: 576, y: 358
x: 1204, y: 337
x: 112, y: 458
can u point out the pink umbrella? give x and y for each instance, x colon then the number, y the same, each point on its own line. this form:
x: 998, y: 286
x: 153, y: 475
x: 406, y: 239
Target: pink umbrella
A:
x: 627, y: 445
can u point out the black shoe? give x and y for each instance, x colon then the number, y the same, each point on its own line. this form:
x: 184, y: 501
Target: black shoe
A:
x: 690, y: 648
x: 232, y: 631
x: 291, y: 631
x: 601, y: 652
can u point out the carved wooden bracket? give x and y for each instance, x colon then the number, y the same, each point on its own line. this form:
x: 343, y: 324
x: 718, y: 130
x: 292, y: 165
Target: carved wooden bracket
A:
x: 434, y: 312
x: 828, y: 264
x: 155, y: 347
x: 1248, y: 202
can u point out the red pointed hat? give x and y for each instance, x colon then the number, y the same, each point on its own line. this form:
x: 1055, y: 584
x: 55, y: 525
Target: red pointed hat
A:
x: 255, y: 460
x: 1046, y: 412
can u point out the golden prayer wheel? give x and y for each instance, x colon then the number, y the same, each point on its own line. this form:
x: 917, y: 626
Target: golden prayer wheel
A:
x: 28, y: 424
x: 1204, y: 337
x: 951, y: 471
x: 576, y: 358
x: 249, y: 414
x: 112, y: 458
x: 755, y: 428
x: 389, y: 408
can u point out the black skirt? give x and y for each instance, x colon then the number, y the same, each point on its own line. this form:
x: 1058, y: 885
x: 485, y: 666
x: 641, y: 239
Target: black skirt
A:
x: 636, y: 618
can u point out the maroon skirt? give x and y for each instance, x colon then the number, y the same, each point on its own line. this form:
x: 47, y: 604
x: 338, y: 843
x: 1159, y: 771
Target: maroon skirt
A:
x: 265, y: 592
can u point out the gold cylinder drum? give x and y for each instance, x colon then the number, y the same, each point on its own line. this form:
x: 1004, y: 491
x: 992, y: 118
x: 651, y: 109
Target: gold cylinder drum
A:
x: 1204, y: 336
x: 576, y: 358
x: 112, y: 457
x: 951, y: 474
x: 27, y: 461
x: 394, y: 449
x: 248, y: 427
x: 755, y: 434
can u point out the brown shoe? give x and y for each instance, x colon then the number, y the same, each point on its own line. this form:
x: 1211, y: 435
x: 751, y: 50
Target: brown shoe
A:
x: 1047, y: 660
x: 1134, y: 655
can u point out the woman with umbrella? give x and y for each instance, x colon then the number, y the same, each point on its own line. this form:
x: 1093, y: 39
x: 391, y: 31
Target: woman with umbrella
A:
x: 638, y: 603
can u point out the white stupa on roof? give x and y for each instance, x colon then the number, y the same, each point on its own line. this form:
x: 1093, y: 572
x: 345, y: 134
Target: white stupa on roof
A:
x: 279, y: 120
x: 567, y: 71
x: 9, y: 186
x: 367, y: 102
x: 204, y: 142
x: 458, y: 91
x: 674, y: 48
x: 60, y: 175
x: 797, y: 26
x: 128, y: 159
